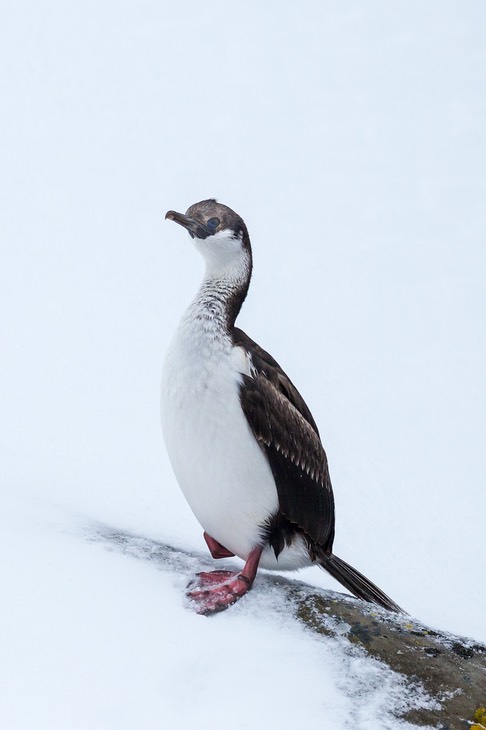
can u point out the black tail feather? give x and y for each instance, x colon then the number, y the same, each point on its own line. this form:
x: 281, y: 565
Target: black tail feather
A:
x: 355, y: 582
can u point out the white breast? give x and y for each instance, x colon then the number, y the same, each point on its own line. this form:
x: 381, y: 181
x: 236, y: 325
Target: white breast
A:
x: 220, y: 467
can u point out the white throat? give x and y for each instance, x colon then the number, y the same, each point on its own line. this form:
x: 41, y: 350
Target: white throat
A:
x: 225, y: 257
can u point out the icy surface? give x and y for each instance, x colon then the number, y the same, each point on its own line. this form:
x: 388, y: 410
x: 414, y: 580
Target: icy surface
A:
x: 350, y: 137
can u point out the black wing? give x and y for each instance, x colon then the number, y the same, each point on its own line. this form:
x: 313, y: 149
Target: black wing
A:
x: 285, y: 429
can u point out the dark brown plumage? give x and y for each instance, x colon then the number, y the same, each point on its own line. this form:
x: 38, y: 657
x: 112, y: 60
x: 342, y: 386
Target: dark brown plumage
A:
x: 286, y: 431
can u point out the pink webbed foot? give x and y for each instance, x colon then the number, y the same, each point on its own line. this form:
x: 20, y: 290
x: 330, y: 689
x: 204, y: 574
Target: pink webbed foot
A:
x: 216, y: 591
x: 216, y: 549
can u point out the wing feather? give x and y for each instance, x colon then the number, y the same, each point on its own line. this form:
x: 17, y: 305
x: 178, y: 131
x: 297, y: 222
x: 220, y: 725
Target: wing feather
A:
x: 285, y: 429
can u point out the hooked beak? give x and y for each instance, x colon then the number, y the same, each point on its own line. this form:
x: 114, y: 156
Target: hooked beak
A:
x: 196, y: 228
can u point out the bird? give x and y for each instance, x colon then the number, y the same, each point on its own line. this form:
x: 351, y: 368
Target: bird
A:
x: 242, y: 442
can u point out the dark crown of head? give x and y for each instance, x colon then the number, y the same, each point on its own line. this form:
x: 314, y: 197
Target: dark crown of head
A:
x: 222, y: 217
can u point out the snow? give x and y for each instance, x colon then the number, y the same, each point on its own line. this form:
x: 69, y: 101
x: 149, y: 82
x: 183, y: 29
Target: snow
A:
x: 351, y: 140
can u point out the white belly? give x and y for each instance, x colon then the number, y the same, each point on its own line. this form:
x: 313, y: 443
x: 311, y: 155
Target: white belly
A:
x: 220, y: 467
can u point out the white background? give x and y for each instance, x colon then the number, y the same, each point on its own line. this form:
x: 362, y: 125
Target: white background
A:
x: 350, y: 137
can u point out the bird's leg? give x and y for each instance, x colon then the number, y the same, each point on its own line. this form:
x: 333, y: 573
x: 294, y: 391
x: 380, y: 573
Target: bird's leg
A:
x: 213, y: 592
x: 216, y: 549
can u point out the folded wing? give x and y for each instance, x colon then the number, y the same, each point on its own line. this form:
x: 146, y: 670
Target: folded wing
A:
x: 286, y: 431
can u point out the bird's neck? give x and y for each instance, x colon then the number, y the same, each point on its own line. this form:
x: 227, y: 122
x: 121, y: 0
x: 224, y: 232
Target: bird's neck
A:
x: 221, y: 295
x: 218, y: 303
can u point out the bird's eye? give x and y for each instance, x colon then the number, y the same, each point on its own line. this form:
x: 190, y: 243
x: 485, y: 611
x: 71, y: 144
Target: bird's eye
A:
x: 213, y: 223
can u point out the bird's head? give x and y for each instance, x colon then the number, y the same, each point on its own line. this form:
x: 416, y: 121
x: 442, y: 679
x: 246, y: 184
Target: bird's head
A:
x: 220, y: 235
